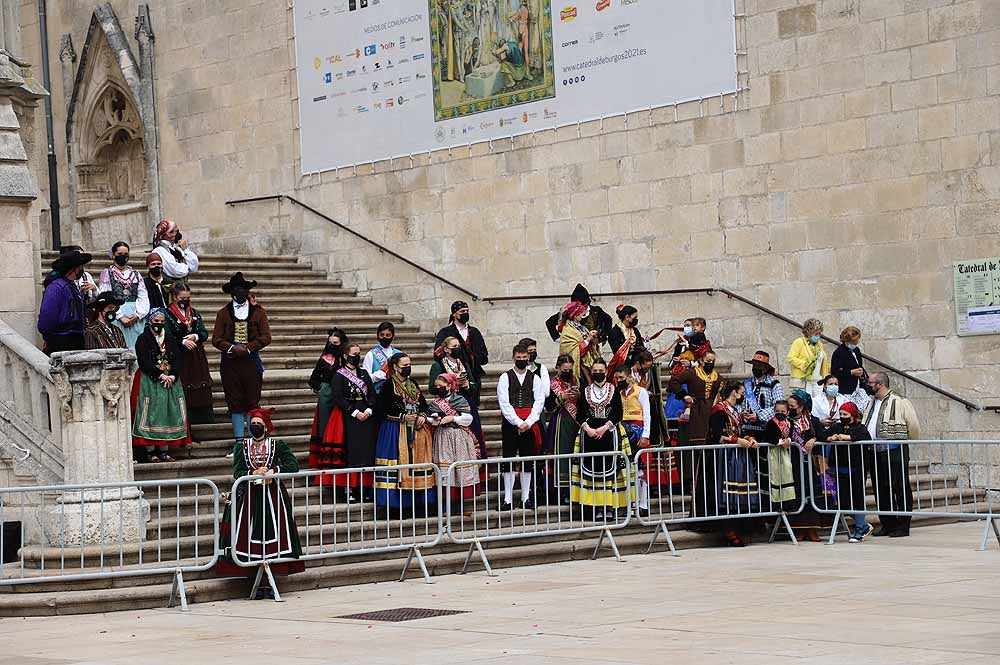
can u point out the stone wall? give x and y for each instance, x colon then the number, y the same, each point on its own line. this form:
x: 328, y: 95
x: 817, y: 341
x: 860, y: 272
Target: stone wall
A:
x: 863, y: 161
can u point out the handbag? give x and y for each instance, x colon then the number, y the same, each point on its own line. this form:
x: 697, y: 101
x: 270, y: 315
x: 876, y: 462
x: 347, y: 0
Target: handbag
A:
x: 892, y: 429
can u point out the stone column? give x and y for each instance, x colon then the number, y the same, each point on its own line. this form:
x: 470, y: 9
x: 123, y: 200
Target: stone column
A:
x: 94, y: 389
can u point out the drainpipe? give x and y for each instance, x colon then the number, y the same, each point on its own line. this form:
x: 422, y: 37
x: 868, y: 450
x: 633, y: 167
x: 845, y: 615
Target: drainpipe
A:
x: 43, y: 30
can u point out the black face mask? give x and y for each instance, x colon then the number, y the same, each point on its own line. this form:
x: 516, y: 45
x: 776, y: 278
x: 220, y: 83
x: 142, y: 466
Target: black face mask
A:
x: 354, y: 360
x: 709, y: 366
x: 599, y: 378
x: 781, y: 416
x: 867, y: 388
x: 240, y: 297
x: 463, y: 318
x: 440, y: 391
x: 121, y: 260
x: 793, y: 412
x: 155, y: 272
x: 405, y: 372
x: 384, y: 342
x: 157, y: 328
x: 635, y: 322
x: 566, y: 376
x: 257, y: 430
x: 110, y: 316
x: 533, y: 356
x: 741, y: 400
x: 846, y: 422
x: 521, y: 364
x: 758, y: 372
x: 183, y: 304
x: 456, y: 352
x: 335, y: 349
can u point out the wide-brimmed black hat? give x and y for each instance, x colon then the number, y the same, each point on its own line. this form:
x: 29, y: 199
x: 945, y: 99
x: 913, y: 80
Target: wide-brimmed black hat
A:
x: 71, y: 258
x: 106, y: 298
x: 764, y: 358
x: 238, y: 280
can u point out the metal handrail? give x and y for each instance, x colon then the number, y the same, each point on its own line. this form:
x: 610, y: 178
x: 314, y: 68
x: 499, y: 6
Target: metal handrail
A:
x: 609, y: 294
x: 343, y: 227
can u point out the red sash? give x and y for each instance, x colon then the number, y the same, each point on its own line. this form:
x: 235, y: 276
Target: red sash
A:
x: 523, y: 414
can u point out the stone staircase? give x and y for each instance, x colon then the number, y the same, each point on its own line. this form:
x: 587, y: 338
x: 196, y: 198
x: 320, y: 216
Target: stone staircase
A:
x: 302, y: 304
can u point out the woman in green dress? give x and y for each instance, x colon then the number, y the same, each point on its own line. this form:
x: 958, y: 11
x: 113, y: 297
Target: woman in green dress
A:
x: 265, y: 527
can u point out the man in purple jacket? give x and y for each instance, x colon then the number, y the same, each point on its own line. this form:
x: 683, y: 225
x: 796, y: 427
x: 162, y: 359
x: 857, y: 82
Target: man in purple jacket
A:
x: 61, y: 317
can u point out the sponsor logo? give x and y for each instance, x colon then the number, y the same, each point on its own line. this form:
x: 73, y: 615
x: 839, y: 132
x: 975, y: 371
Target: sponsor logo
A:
x: 626, y: 3
x: 595, y: 37
x: 439, y: 134
x: 319, y: 99
x: 485, y: 125
x: 420, y: 95
x: 572, y: 42
x: 603, y: 4
x: 390, y: 83
x: 405, y: 79
x: 622, y: 28
x: 363, y: 3
x: 389, y: 64
x: 328, y: 77
x: 421, y: 77
x: 324, y: 12
x: 361, y: 109
x: 389, y: 103
x: 356, y: 54
x: 370, y: 49
x: 524, y: 117
x: 351, y: 72
x: 416, y: 39
x: 403, y: 61
x: 401, y: 100
x: 419, y: 56
x: 334, y: 59
x: 357, y: 90
x: 574, y: 79
x: 338, y: 94
x: 352, y: 5
x: 375, y: 86
x: 385, y: 46
x: 378, y: 105
x: 548, y: 115
x: 402, y: 42
x: 340, y: 76
x: 378, y: 67
x: 317, y: 63
x: 568, y: 13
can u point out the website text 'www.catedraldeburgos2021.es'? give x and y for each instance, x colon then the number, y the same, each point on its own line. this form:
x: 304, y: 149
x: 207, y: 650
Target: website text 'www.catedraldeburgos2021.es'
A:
x: 605, y: 60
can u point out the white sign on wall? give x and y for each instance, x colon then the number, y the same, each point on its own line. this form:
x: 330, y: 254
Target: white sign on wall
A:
x: 381, y: 79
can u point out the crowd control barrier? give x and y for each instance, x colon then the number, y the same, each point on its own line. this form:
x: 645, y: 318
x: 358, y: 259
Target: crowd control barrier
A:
x: 566, y: 494
x: 370, y: 510
x: 899, y: 480
x: 726, y: 482
x: 103, y: 531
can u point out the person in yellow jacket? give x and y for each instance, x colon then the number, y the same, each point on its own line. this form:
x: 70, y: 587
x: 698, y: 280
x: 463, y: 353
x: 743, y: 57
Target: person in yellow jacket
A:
x: 808, y: 359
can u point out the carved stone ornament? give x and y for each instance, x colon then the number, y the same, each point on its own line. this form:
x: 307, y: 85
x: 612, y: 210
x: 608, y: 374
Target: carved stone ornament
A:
x: 112, y: 387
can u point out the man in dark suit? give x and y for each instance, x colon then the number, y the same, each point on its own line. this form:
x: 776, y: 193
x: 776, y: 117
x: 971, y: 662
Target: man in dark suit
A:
x: 474, y: 354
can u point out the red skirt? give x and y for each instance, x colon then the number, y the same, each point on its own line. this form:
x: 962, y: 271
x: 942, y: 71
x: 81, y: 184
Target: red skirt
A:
x: 330, y: 452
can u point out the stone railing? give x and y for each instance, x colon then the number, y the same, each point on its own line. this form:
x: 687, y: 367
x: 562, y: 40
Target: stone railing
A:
x: 30, y: 417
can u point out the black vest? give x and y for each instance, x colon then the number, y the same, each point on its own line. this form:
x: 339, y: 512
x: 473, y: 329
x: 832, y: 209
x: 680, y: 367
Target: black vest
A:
x: 522, y: 396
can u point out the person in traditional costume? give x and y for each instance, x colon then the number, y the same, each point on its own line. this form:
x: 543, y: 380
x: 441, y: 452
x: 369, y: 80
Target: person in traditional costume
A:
x: 62, y: 318
x: 474, y: 355
x: 761, y: 391
x: 85, y: 281
x: 848, y: 463
x: 799, y: 437
x: 179, y: 261
x: 637, y: 421
x: 594, y: 317
x: 128, y: 285
x: 625, y: 339
x: 451, y: 416
x: 448, y: 360
x: 326, y: 450
x: 661, y: 470
x: 782, y: 490
x: 691, y: 345
x: 102, y: 334
x: 265, y: 523
x: 352, y: 441
x: 158, y: 407
x: 577, y: 342
x: 699, y: 387
x: 241, y: 331
x: 603, y: 482
x: 725, y: 482
x: 563, y: 428
x: 188, y: 326
x: 537, y: 368
x: 377, y: 359
x: 158, y: 287
x: 404, y: 437
x: 808, y: 359
x: 521, y: 397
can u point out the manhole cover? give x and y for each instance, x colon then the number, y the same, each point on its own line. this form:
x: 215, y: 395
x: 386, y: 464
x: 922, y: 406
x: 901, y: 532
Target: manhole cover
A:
x: 401, y: 614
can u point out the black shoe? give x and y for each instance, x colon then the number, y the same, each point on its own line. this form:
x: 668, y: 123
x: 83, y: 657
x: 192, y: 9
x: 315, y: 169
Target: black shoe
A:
x: 529, y: 504
x: 506, y: 505
x: 898, y: 533
x: 642, y: 512
x: 352, y: 497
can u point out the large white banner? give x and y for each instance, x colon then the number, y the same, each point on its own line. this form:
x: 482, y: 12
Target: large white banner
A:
x: 381, y: 79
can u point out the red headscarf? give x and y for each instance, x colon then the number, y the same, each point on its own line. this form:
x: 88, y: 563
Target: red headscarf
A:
x: 153, y: 256
x: 570, y: 311
x: 263, y: 414
x: 452, y: 380
x: 852, y: 409
x: 162, y: 229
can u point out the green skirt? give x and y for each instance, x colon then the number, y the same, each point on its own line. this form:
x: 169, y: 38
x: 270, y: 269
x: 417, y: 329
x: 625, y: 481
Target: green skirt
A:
x: 159, y: 413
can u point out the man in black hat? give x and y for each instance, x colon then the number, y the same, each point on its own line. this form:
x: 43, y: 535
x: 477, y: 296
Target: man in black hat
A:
x: 101, y: 334
x: 595, y: 318
x: 473, y: 352
x: 762, y: 390
x: 85, y: 281
x: 241, y: 331
x: 61, y: 317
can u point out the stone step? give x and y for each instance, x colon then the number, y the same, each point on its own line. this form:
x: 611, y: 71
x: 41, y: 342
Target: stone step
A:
x: 226, y: 259
x: 304, y: 361
x: 334, y: 299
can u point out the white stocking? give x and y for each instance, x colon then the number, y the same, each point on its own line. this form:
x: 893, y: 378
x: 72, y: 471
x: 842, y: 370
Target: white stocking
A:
x: 525, y: 486
x: 508, y: 487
